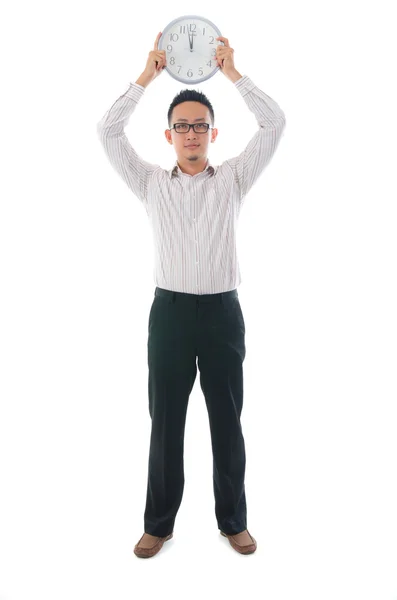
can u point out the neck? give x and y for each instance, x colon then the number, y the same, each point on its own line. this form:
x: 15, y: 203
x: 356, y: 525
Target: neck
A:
x: 192, y: 167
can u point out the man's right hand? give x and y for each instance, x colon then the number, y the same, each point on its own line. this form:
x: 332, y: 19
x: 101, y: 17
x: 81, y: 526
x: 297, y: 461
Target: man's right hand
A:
x: 155, y: 62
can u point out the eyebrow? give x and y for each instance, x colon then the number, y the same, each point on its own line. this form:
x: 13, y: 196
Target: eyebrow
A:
x: 179, y: 120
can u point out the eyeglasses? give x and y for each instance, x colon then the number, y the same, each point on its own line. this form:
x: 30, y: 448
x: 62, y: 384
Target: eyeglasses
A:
x: 197, y: 127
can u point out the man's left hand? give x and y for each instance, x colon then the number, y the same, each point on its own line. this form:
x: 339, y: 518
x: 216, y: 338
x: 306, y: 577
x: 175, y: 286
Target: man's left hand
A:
x: 224, y: 58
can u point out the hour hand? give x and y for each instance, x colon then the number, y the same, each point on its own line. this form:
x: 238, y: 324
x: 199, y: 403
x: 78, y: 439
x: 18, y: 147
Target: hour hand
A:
x: 190, y: 41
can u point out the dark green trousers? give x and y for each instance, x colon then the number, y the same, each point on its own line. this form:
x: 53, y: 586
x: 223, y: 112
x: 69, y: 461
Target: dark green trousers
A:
x: 183, y: 329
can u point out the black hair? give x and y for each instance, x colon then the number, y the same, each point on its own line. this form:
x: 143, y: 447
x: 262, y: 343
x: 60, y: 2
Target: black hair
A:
x: 190, y: 96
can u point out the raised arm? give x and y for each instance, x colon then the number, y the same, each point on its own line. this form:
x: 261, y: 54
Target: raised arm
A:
x: 131, y: 167
x: 248, y: 165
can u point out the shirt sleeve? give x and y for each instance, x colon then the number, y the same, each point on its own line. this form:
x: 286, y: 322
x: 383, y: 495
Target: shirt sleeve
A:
x: 135, y: 171
x: 248, y: 165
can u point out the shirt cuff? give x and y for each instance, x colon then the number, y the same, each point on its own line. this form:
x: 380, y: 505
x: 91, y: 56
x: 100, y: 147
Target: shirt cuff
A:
x: 244, y: 85
x: 135, y: 91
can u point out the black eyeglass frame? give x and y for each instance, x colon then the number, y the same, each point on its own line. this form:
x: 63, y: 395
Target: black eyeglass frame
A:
x: 192, y: 125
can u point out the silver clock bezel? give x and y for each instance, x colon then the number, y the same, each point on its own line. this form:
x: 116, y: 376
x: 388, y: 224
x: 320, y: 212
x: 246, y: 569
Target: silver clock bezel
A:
x: 168, y: 27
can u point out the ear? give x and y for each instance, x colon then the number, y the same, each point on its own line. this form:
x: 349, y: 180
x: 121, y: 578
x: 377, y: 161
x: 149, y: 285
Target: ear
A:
x: 168, y: 137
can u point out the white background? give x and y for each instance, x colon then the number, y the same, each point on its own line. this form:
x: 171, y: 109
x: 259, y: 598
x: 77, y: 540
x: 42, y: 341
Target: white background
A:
x: 317, y: 251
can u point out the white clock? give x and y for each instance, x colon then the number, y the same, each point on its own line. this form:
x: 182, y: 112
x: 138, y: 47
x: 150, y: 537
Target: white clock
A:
x: 190, y: 46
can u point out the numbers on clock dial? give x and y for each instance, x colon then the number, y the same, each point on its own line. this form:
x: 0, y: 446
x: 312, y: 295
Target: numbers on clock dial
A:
x: 200, y: 40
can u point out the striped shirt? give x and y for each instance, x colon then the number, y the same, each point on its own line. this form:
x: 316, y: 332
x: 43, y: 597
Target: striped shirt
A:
x: 194, y: 217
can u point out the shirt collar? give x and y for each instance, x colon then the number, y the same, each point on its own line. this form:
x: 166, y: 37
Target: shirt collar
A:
x: 175, y: 171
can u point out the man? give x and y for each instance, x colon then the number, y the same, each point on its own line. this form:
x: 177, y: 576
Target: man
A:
x: 196, y: 312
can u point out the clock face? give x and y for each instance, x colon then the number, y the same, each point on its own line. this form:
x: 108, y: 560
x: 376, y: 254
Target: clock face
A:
x: 190, y: 46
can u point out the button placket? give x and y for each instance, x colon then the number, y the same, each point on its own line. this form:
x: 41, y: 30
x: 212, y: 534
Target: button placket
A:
x: 193, y: 195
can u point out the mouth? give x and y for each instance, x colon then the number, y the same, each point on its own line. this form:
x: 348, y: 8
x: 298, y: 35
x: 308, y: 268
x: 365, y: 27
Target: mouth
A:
x: 192, y: 146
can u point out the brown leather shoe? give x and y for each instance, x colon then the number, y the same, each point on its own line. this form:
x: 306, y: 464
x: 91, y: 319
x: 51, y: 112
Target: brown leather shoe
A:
x: 249, y: 549
x: 148, y: 552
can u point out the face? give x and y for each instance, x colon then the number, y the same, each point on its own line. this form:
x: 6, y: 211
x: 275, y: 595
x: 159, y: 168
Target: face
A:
x: 191, y: 112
